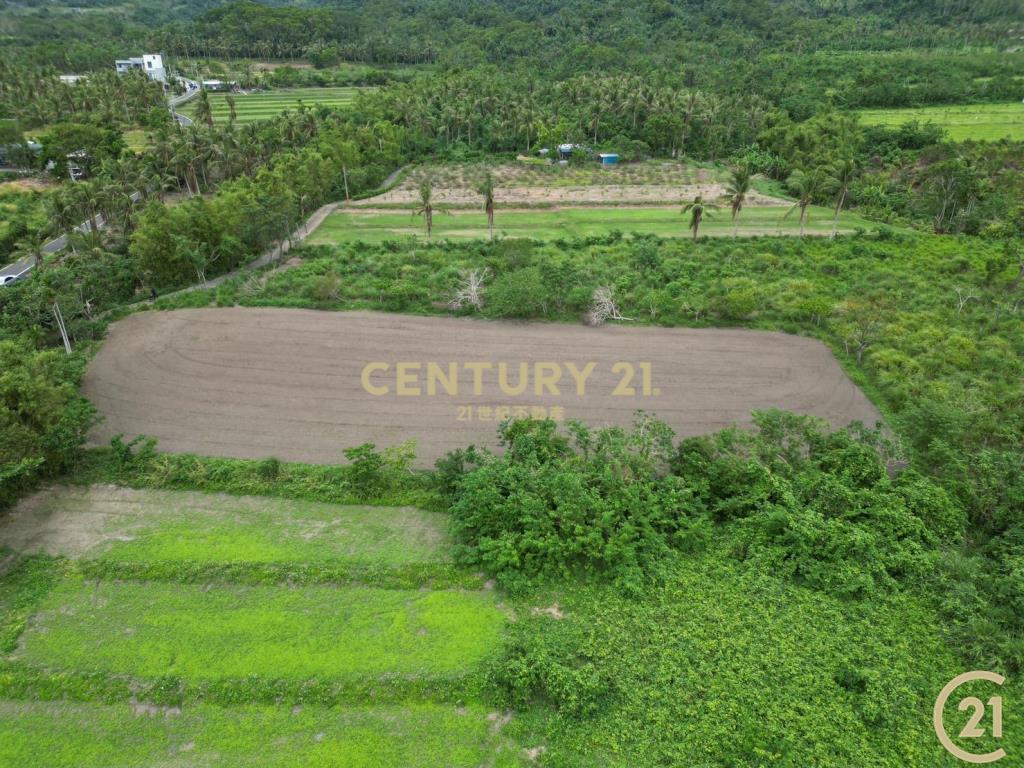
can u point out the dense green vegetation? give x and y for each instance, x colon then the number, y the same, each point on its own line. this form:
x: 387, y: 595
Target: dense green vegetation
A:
x: 789, y: 596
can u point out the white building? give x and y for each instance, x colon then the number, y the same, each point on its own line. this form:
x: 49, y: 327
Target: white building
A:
x: 151, y: 63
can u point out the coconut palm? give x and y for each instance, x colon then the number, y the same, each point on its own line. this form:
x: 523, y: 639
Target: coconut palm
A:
x: 698, y: 209
x: 737, y: 190
x: 807, y: 185
x: 426, y: 209
x: 486, y: 189
x: 232, y: 112
x: 204, y: 112
x: 31, y: 247
x: 842, y: 176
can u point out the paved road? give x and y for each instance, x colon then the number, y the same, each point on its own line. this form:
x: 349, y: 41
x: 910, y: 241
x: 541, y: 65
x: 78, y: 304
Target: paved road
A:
x: 21, y: 268
x: 191, y: 91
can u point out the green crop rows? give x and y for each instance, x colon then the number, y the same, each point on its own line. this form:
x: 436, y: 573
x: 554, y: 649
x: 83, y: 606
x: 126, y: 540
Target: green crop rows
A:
x: 980, y: 122
x: 264, y: 105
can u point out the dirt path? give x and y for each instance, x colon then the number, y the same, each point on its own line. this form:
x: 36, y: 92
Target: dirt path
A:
x: 288, y: 383
x: 277, y: 252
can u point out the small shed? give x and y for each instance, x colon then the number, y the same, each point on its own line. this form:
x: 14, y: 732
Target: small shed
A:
x: 564, y: 150
x: 609, y: 158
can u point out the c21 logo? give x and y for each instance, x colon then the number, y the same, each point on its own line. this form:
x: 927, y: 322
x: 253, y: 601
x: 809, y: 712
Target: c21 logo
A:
x: 973, y: 729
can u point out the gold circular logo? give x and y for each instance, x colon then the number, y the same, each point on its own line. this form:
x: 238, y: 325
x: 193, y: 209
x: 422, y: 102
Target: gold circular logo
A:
x: 978, y: 708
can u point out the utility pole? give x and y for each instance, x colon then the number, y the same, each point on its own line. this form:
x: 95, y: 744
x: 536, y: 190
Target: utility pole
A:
x: 59, y: 317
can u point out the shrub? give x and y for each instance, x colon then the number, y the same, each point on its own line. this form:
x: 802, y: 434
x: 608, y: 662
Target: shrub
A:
x: 520, y: 294
x: 603, y: 505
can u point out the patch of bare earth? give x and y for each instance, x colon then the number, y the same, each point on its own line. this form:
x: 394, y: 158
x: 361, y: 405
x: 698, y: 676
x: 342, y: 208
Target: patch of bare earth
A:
x: 554, y: 611
x: 577, y: 196
x: 288, y: 383
x: 86, y: 521
x: 531, y: 185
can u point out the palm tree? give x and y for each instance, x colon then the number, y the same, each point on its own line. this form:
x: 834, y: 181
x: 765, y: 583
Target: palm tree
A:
x: 204, y: 112
x: 487, y: 190
x: 232, y: 112
x: 698, y: 209
x: 426, y: 208
x: 807, y: 185
x: 737, y: 189
x: 31, y: 247
x: 843, y: 175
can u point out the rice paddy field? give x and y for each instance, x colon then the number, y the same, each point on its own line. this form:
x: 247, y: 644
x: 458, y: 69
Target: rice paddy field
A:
x: 977, y: 122
x: 263, y: 105
x: 377, y: 225
x: 120, y: 647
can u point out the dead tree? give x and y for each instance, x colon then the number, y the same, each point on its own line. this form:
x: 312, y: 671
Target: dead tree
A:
x: 603, y: 307
x: 962, y: 299
x: 470, y: 291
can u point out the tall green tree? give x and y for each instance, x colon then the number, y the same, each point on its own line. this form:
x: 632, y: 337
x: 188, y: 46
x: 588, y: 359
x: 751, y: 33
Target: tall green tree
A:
x: 806, y: 186
x: 698, y: 209
x: 737, y: 190
x: 204, y: 112
x: 486, y: 190
x: 426, y: 209
x: 842, y: 176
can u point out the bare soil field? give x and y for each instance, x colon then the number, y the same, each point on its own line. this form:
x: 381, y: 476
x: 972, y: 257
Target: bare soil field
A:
x: 533, y: 185
x: 301, y: 385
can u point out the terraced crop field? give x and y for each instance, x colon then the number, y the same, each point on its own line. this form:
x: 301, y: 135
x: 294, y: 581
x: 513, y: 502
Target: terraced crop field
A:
x: 121, y: 646
x: 263, y: 105
x: 980, y: 122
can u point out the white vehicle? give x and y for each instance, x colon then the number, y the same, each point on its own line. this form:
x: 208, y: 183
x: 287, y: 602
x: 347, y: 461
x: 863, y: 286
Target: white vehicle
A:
x: 12, y: 279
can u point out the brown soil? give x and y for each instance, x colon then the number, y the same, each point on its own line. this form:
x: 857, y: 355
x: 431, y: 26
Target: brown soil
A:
x: 287, y: 383
x: 575, y: 195
x: 525, y: 185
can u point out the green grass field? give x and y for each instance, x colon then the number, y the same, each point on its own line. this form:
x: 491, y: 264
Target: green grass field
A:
x: 980, y: 122
x: 123, y: 671
x: 378, y: 225
x: 264, y: 105
x: 73, y: 735
x: 225, y: 631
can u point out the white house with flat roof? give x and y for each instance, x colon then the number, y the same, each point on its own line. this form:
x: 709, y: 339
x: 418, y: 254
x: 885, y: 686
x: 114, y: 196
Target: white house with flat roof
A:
x: 150, y: 63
